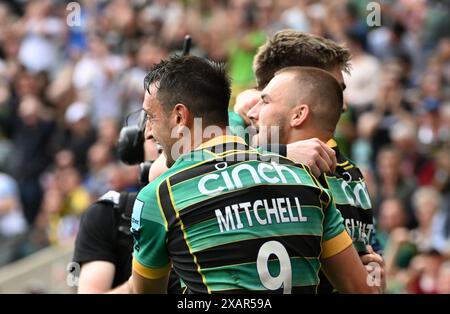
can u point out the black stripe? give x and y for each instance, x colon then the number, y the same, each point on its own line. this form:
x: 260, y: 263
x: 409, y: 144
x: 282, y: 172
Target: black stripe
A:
x: 246, y: 251
x: 341, y: 158
x: 340, y: 172
x: 208, y: 167
x: 295, y: 290
x: 166, y: 203
x: 359, y: 214
x: 183, y: 262
x: 175, y: 236
x: 325, y: 286
x: 201, y: 211
x: 201, y: 170
x: 221, y: 148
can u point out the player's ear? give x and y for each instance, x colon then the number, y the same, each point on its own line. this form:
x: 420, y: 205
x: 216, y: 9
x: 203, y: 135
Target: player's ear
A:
x: 181, y: 116
x: 298, y: 115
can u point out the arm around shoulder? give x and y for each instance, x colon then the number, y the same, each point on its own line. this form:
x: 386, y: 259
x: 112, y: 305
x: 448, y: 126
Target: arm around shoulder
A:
x: 346, y: 272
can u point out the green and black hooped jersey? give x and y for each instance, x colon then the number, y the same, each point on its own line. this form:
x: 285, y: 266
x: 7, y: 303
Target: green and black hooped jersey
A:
x: 351, y: 197
x: 350, y: 194
x: 231, y: 220
x: 348, y: 187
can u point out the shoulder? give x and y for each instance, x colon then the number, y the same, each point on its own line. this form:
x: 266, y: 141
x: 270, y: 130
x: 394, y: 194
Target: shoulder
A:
x: 102, y: 212
x: 190, y: 161
x: 147, y: 206
x: 99, y: 213
x: 97, y: 234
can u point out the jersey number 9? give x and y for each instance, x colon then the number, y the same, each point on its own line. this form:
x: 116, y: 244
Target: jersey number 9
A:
x: 284, y: 278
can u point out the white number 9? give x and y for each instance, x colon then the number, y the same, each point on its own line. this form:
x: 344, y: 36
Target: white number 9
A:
x: 284, y: 278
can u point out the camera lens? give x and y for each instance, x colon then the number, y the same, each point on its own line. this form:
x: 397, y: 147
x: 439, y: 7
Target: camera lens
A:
x: 130, y: 145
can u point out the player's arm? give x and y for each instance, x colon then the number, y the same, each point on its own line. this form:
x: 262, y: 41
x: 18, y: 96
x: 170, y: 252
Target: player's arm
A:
x: 311, y: 152
x: 346, y: 272
x: 151, y: 263
x: 340, y: 261
x: 122, y: 289
x: 141, y: 284
x: 245, y: 101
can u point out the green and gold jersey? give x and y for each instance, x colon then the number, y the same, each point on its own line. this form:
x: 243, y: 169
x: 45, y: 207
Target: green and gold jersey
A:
x: 350, y: 194
x: 231, y: 219
x: 351, y: 197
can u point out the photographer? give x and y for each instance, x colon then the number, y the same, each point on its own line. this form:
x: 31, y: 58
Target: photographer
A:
x: 104, y: 244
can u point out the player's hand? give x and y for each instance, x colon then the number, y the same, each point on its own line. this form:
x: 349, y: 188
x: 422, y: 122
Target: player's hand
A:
x: 314, y: 153
x: 374, y: 262
x: 245, y: 101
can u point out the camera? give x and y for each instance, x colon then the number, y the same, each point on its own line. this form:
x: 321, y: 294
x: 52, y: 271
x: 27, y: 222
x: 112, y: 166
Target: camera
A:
x: 130, y: 147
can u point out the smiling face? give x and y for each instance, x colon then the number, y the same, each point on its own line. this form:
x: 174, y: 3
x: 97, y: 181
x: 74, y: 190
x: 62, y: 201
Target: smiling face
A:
x: 159, y: 125
x: 262, y: 115
x: 273, y: 110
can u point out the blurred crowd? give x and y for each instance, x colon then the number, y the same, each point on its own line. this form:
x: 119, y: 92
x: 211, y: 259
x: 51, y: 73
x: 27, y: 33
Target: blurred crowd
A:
x: 71, y: 76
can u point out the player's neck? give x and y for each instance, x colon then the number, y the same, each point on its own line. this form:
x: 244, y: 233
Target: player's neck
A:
x: 301, y: 135
x: 206, y: 135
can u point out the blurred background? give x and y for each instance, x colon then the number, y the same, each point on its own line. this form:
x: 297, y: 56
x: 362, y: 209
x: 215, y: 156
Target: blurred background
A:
x: 67, y: 85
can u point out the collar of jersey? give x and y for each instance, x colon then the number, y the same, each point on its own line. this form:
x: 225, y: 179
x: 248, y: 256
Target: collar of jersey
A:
x: 221, y: 140
x: 332, y: 143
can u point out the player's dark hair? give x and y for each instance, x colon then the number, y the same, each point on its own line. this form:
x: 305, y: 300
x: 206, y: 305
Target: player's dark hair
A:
x: 201, y: 85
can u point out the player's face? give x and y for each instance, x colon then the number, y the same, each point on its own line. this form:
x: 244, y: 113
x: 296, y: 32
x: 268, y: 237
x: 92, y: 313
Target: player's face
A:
x: 158, y: 126
x: 270, y: 115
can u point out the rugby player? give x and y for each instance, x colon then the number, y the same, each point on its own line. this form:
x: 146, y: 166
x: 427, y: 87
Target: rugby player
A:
x: 292, y: 48
x: 226, y: 220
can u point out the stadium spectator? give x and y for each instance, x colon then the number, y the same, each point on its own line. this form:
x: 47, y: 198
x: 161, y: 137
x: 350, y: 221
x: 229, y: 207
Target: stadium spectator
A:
x: 392, y: 215
x: 391, y: 183
x: 99, y: 162
x: 78, y: 135
x: 411, y: 46
x: 32, y: 135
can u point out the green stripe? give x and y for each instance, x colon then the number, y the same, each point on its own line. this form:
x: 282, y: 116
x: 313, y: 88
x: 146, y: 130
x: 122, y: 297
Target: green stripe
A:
x: 245, y: 276
x: 194, y: 199
x: 353, y: 193
x: 197, y: 177
x: 187, y: 193
x: 360, y: 247
x: 207, y: 233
